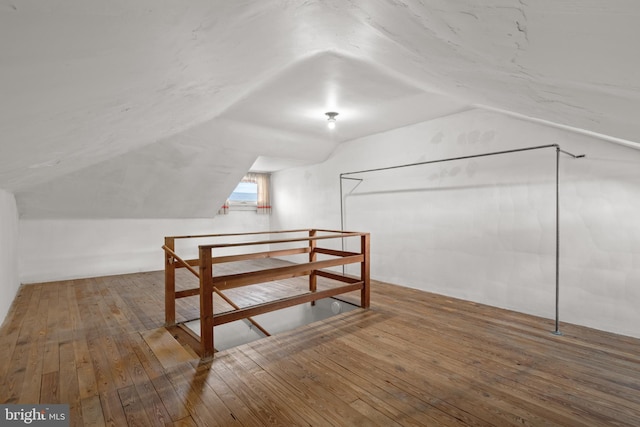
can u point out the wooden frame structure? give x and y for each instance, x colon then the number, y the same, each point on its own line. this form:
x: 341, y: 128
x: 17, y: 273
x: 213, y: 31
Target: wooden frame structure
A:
x: 307, y: 243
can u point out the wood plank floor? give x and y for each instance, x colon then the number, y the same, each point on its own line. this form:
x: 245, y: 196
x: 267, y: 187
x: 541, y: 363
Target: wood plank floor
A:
x: 413, y: 359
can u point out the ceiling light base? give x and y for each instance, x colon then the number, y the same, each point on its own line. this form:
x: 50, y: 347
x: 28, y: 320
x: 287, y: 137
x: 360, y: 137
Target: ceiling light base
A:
x: 331, y: 119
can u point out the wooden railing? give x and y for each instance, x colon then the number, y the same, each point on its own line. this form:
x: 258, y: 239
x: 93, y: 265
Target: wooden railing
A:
x: 306, y: 244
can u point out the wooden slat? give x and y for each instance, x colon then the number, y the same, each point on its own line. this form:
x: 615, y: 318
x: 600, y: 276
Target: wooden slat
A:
x: 243, y: 279
x: 112, y: 410
x: 334, y: 252
x: 237, y: 307
x: 143, y: 357
x: 200, y: 236
x: 169, y: 283
x: 31, y: 387
x: 247, y: 413
x: 185, y: 422
x: 231, y: 316
x: 109, y: 346
x: 14, y: 370
x: 335, y: 276
x: 313, y: 279
x: 336, y: 231
x: 133, y: 407
x: 187, y: 338
x: 301, y: 377
x: 267, y: 407
x: 245, y: 257
x: 259, y: 255
x: 50, y: 388
x: 277, y: 241
x: 187, y: 293
x: 191, y: 262
x: 365, y: 271
x: 168, y: 351
x: 92, y: 414
x: 68, y: 382
x: 204, y: 406
x: 206, y: 303
x: 85, y: 371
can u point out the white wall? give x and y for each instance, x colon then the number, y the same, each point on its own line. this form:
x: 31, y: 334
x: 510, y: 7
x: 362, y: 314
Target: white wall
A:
x: 483, y: 229
x: 9, y: 282
x: 67, y: 249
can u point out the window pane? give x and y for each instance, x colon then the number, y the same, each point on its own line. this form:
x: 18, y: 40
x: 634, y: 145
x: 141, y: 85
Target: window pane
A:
x: 246, y: 192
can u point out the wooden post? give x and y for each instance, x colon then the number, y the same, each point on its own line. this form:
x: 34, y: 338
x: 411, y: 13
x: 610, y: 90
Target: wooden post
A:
x: 206, y: 303
x: 169, y: 283
x: 313, y: 279
x: 365, y: 274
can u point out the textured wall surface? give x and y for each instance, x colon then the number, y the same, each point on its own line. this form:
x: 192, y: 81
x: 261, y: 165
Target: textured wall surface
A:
x: 9, y: 282
x: 107, y: 109
x: 68, y: 249
x: 483, y: 229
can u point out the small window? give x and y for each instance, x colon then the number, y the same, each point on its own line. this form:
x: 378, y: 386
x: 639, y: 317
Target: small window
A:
x: 251, y: 194
x: 245, y: 194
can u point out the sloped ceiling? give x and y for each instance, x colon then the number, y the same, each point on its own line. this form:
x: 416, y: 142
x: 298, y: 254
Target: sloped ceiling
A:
x: 156, y: 109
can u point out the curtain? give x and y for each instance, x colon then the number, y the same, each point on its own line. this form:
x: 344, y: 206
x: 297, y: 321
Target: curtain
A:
x: 224, y: 210
x: 264, y: 199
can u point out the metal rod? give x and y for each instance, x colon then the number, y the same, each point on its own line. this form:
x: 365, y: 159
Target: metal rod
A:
x: 575, y: 156
x: 494, y: 153
x: 341, y: 210
x: 557, y: 330
x: 342, y: 218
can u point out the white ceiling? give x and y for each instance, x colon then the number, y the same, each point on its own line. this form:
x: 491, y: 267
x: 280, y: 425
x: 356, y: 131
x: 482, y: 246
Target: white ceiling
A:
x: 108, y: 107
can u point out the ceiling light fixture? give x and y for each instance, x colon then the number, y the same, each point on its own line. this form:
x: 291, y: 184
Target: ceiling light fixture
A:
x: 332, y: 119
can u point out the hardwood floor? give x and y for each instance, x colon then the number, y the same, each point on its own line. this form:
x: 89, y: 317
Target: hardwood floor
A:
x: 413, y: 359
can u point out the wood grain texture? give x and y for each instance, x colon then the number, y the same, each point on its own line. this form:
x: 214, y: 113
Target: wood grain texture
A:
x: 168, y: 351
x: 412, y: 359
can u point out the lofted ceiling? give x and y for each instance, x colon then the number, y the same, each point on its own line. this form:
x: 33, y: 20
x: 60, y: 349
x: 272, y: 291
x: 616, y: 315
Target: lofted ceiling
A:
x: 153, y: 108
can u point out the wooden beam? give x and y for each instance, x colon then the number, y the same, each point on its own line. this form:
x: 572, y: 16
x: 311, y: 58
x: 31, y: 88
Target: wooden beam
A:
x: 184, y: 335
x: 187, y: 293
x: 337, y: 276
x: 232, y: 316
x: 237, y: 280
x: 365, y: 273
x: 334, y: 252
x: 206, y: 303
x: 268, y: 242
x: 322, y: 230
x: 191, y: 262
x: 259, y: 255
x: 181, y: 262
x: 169, y: 284
x: 313, y: 280
x: 243, y: 257
x: 199, y: 236
x: 236, y: 307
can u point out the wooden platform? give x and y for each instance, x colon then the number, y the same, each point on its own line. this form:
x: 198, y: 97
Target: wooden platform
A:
x: 413, y: 359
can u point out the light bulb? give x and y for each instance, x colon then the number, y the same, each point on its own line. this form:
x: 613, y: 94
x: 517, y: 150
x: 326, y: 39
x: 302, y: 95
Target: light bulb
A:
x: 332, y: 119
